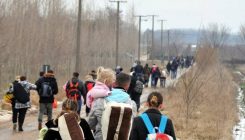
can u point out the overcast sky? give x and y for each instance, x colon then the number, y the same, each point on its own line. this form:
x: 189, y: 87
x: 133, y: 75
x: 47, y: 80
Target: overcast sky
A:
x: 195, y: 13
x: 188, y: 13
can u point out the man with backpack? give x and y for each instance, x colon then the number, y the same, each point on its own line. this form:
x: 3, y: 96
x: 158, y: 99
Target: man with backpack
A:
x: 111, y: 116
x: 135, y: 89
x: 47, y: 88
x: 75, y: 90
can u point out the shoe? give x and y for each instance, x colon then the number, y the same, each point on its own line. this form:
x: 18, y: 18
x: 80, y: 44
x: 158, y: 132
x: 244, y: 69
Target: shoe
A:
x: 39, y: 126
x: 21, y: 129
x: 14, y: 126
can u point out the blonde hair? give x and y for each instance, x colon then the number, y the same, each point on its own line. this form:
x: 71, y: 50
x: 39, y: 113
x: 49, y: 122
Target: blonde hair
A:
x: 106, y: 75
x: 88, y: 78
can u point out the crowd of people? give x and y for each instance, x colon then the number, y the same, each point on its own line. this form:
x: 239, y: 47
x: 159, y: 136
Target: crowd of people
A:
x: 112, y: 100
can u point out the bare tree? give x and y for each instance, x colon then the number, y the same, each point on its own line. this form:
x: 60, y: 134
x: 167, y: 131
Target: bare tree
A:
x: 242, y: 32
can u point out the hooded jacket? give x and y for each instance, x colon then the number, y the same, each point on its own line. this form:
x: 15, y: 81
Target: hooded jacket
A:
x: 48, y: 77
x: 117, y: 95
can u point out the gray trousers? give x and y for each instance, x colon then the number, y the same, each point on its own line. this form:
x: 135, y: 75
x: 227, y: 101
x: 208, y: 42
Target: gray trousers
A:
x: 45, y: 108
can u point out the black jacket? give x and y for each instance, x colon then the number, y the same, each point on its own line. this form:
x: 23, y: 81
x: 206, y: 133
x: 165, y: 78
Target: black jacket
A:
x: 139, y: 130
x: 53, y: 84
x: 54, y: 135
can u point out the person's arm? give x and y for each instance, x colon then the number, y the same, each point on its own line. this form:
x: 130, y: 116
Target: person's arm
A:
x: 51, y: 135
x: 86, y: 130
x: 38, y: 84
x: 55, y: 91
x: 31, y: 86
x: 95, y: 113
x: 170, y: 129
x: 82, y: 90
x: 134, y: 134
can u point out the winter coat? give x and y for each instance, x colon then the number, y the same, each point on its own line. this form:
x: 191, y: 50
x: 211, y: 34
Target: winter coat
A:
x: 139, y: 69
x: 50, y: 79
x: 80, y: 87
x: 132, y: 85
x: 147, y: 72
x: 54, y: 135
x: 98, y: 91
x: 94, y: 119
x: 27, y: 87
x: 139, y: 130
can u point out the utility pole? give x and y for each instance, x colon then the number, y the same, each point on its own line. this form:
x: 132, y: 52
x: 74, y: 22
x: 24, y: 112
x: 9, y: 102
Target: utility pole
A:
x: 117, y: 28
x: 168, y: 47
x: 152, y: 49
x: 139, y: 40
x: 78, y: 60
x: 162, y: 39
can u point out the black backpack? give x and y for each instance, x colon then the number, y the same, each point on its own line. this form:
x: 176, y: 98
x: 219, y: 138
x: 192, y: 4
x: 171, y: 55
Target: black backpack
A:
x: 46, y: 90
x: 20, y: 94
x: 139, y: 86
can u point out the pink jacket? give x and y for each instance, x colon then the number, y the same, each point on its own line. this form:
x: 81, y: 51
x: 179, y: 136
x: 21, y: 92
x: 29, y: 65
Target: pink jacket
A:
x: 98, y: 91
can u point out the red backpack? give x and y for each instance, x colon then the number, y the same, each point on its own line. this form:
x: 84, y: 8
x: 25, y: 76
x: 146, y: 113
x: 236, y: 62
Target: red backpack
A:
x: 89, y: 86
x: 73, y: 92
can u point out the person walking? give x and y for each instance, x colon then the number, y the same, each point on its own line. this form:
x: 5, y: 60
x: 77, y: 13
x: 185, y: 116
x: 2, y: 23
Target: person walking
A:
x: 47, y: 87
x: 21, y: 101
x: 75, y: 90
x: 69, y: 107
x: 118, y: 95
x: 140, y: 130
x: 88, y: 84
x: 147, y: 73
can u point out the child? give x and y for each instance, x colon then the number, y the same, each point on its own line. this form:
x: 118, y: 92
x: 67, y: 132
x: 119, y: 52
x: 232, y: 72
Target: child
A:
x: 103, y: 85
x: 69, y: 107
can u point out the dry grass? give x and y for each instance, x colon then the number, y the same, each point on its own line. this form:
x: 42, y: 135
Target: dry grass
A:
x: 212, y: 113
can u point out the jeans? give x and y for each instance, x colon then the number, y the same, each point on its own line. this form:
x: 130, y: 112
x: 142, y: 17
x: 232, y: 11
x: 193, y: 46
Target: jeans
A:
x: 20, y: 114
x: 45, y: 108
x: 79, y: 102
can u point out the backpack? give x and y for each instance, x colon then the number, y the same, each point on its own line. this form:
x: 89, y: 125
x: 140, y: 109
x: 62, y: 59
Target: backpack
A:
x: 68, y: 128
x: 20, y: 94
x: 152, y: 132
x: 72, y: 91
x: 139, y: 86
x: 154, y: 69
x: 46, y: 90
x: 116, y: 121
x: 90, y: 85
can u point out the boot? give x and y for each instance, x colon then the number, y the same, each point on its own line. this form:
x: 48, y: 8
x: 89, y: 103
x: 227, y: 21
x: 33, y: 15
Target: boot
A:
x: 14, y: 126
x: 39, y: 126
x: 20, y: 128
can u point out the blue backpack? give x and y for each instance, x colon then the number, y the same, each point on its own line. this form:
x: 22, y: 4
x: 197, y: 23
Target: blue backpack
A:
x: 152, y: 132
